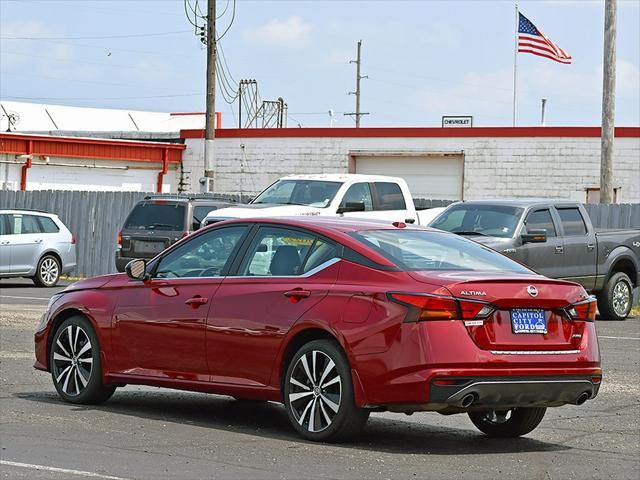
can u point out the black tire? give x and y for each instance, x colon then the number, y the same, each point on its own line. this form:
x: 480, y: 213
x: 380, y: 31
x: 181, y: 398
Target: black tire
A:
x: 329, y: 424
x: 76, y: 369
x: 47, y: 272
x: 508, y: 423
x: 616, y: 298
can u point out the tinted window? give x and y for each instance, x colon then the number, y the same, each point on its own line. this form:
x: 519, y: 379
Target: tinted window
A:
x: 572, y: 221
x: 48, y: 225
x: 3, y: 225
x: 156, y: 216
x: 491, y: 220
x: 423, y: 250
x: 320, y: 252
x: 24, y: 224
x: 540, y: 220
x: 358, y: 193
x: 203, y: 256
x: 389, y: 196
x: 314, y: 193
x: 277, y: 252
x: 199, y: 213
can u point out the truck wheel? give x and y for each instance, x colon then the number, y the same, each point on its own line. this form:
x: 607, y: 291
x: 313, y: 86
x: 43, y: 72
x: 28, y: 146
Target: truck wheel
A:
x: 614, y: 301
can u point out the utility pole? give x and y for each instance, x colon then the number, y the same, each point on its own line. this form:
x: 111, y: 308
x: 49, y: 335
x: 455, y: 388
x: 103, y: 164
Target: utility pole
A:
x: 608, y: 102
x: 210, y: 117
x: 359, y: 77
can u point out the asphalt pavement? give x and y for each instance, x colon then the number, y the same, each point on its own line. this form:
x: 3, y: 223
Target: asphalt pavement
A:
x: 152, y: 433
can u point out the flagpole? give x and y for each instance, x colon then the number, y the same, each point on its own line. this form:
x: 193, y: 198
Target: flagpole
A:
x: 515, y: 66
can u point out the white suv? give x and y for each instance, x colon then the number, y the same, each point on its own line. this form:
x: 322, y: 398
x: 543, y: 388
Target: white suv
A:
x: 36, y: 245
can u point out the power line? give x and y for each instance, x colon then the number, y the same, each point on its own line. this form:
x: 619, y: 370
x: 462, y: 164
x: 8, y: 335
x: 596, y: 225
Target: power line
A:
x: 233, y: 17
x: 102, y: 37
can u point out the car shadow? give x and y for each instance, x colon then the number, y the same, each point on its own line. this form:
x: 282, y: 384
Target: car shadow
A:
x: 269, y: 420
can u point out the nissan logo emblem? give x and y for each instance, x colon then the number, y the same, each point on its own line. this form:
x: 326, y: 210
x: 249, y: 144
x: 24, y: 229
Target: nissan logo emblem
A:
x: 533, y: 291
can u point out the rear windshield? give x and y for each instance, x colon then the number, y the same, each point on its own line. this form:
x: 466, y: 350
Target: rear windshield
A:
x: 469, y: 219
x: 424, y: 250
x: 156, y: 216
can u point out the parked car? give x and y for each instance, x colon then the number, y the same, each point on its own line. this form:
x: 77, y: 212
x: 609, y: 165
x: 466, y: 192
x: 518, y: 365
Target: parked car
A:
x: 36, y: 245
x: 346, y: 195
x: 336, y: 318
x: 555, y: 238
x: 159, y: 221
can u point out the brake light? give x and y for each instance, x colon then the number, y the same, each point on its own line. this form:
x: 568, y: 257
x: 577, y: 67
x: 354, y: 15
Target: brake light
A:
x: 583, y: 310
x: 119, y: 239
x: 426, y: 307
x: 474, y: 309
x: 73, y: 239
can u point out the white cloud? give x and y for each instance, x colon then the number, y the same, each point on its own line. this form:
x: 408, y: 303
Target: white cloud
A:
x: 292, y: 32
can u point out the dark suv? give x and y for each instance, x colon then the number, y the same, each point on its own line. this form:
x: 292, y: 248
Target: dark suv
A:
x: 157, y: 222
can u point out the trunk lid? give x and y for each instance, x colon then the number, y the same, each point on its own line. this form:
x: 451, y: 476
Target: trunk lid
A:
x: 515, y: 295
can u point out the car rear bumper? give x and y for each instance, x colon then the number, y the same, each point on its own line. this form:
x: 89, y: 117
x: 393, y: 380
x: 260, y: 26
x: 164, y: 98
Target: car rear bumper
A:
x: 510, y: 392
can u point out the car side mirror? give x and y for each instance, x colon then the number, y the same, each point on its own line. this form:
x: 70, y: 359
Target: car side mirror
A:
x: 534, y: 236
x: 351, y: 207
x: 137, y: 269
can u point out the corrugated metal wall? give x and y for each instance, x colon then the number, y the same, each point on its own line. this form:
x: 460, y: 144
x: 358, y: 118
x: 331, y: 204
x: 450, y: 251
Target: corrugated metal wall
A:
x: 96, y: 217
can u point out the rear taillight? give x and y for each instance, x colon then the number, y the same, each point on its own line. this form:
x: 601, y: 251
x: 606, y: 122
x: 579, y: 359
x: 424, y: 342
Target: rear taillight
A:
x: 119, y: 239
x: 583, y: 310
x: 436, y: 307
x: 73, y: 239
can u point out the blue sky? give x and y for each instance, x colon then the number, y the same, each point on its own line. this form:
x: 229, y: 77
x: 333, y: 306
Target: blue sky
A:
x: 424, y: 58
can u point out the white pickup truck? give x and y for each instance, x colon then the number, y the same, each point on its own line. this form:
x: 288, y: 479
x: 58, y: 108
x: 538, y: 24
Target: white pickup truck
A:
x: 349, y: 195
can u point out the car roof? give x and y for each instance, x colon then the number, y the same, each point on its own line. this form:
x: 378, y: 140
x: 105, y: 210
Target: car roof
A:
x: 27, y: 211
x: 318, y: 223
x: 343, y: 177
x: 520, y: 202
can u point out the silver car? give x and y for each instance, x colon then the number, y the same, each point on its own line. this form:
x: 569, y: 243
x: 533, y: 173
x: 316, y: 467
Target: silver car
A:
x: 36, y: 245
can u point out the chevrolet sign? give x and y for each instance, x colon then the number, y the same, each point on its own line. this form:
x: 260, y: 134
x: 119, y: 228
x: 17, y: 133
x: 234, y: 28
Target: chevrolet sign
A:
x: 457, y: 122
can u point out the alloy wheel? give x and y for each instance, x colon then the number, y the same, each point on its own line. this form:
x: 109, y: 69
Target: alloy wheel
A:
x: 72, y: 360
x: 315, y: 391
x: 49, y: 271
x: 621, y: 298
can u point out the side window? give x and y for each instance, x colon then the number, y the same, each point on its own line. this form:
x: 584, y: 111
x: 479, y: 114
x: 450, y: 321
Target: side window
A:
x: 4, y: 225
x: 540, y: 220
x: 203, y: 256
x: 23, y: 224
x: 389, y: 196
x: 572, y: 221
x: 321, y: 252
x: 277, y: 252
x: 47, y: 225
x: 358, y: 193
x: 199, y: 213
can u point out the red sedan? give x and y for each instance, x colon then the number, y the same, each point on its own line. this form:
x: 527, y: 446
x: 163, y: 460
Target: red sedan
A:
x: 336, y: 318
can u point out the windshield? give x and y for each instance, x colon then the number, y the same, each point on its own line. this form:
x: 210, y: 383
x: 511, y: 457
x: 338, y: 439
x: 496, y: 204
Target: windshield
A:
x: 155, y: 216
x: 424, y: 250
x: 489, y: 220
x: 312, y: 193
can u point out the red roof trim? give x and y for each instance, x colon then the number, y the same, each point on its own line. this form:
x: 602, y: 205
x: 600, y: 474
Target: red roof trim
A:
x: 77, y: 147
x: 413, y: 132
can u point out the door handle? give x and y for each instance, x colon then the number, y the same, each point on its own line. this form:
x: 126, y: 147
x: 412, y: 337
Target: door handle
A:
x: 196, y: 301
x: 39, y: 240
x: 297, y: 294
x: 410, y: 220
x: 591, y: 246
x: 559, y: 249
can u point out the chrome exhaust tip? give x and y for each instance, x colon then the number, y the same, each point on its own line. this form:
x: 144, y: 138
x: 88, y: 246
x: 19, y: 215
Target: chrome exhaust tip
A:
x: 583, y: 397
x: 467, y: 400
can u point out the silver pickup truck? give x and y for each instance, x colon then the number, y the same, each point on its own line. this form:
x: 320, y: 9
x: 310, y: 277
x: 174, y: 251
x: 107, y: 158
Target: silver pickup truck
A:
x: 556, y: 239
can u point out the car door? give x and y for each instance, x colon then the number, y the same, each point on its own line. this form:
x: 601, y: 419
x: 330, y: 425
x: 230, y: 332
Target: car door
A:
x: 389, y: 203
x: 545, y: 258
x: 25, y: 243
x: 5, y: 257
x: 159, y: 325
x: 580, y: 253
x: 283, y: 274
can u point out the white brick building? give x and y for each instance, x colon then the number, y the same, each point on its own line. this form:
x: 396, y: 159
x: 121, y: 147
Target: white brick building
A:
x: 442, y: 163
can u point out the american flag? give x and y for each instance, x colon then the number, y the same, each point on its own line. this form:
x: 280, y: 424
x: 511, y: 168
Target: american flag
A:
x: 532, y: 40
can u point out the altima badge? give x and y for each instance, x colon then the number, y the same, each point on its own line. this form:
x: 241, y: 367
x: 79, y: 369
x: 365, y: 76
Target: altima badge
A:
x: 533, y: 291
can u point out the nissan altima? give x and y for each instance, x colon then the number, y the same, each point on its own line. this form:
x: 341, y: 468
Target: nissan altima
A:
x: 335, y: 318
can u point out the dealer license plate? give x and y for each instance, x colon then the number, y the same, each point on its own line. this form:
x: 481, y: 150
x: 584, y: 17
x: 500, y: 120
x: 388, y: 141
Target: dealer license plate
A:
x: 149, y: 247
x: 528, y: 320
